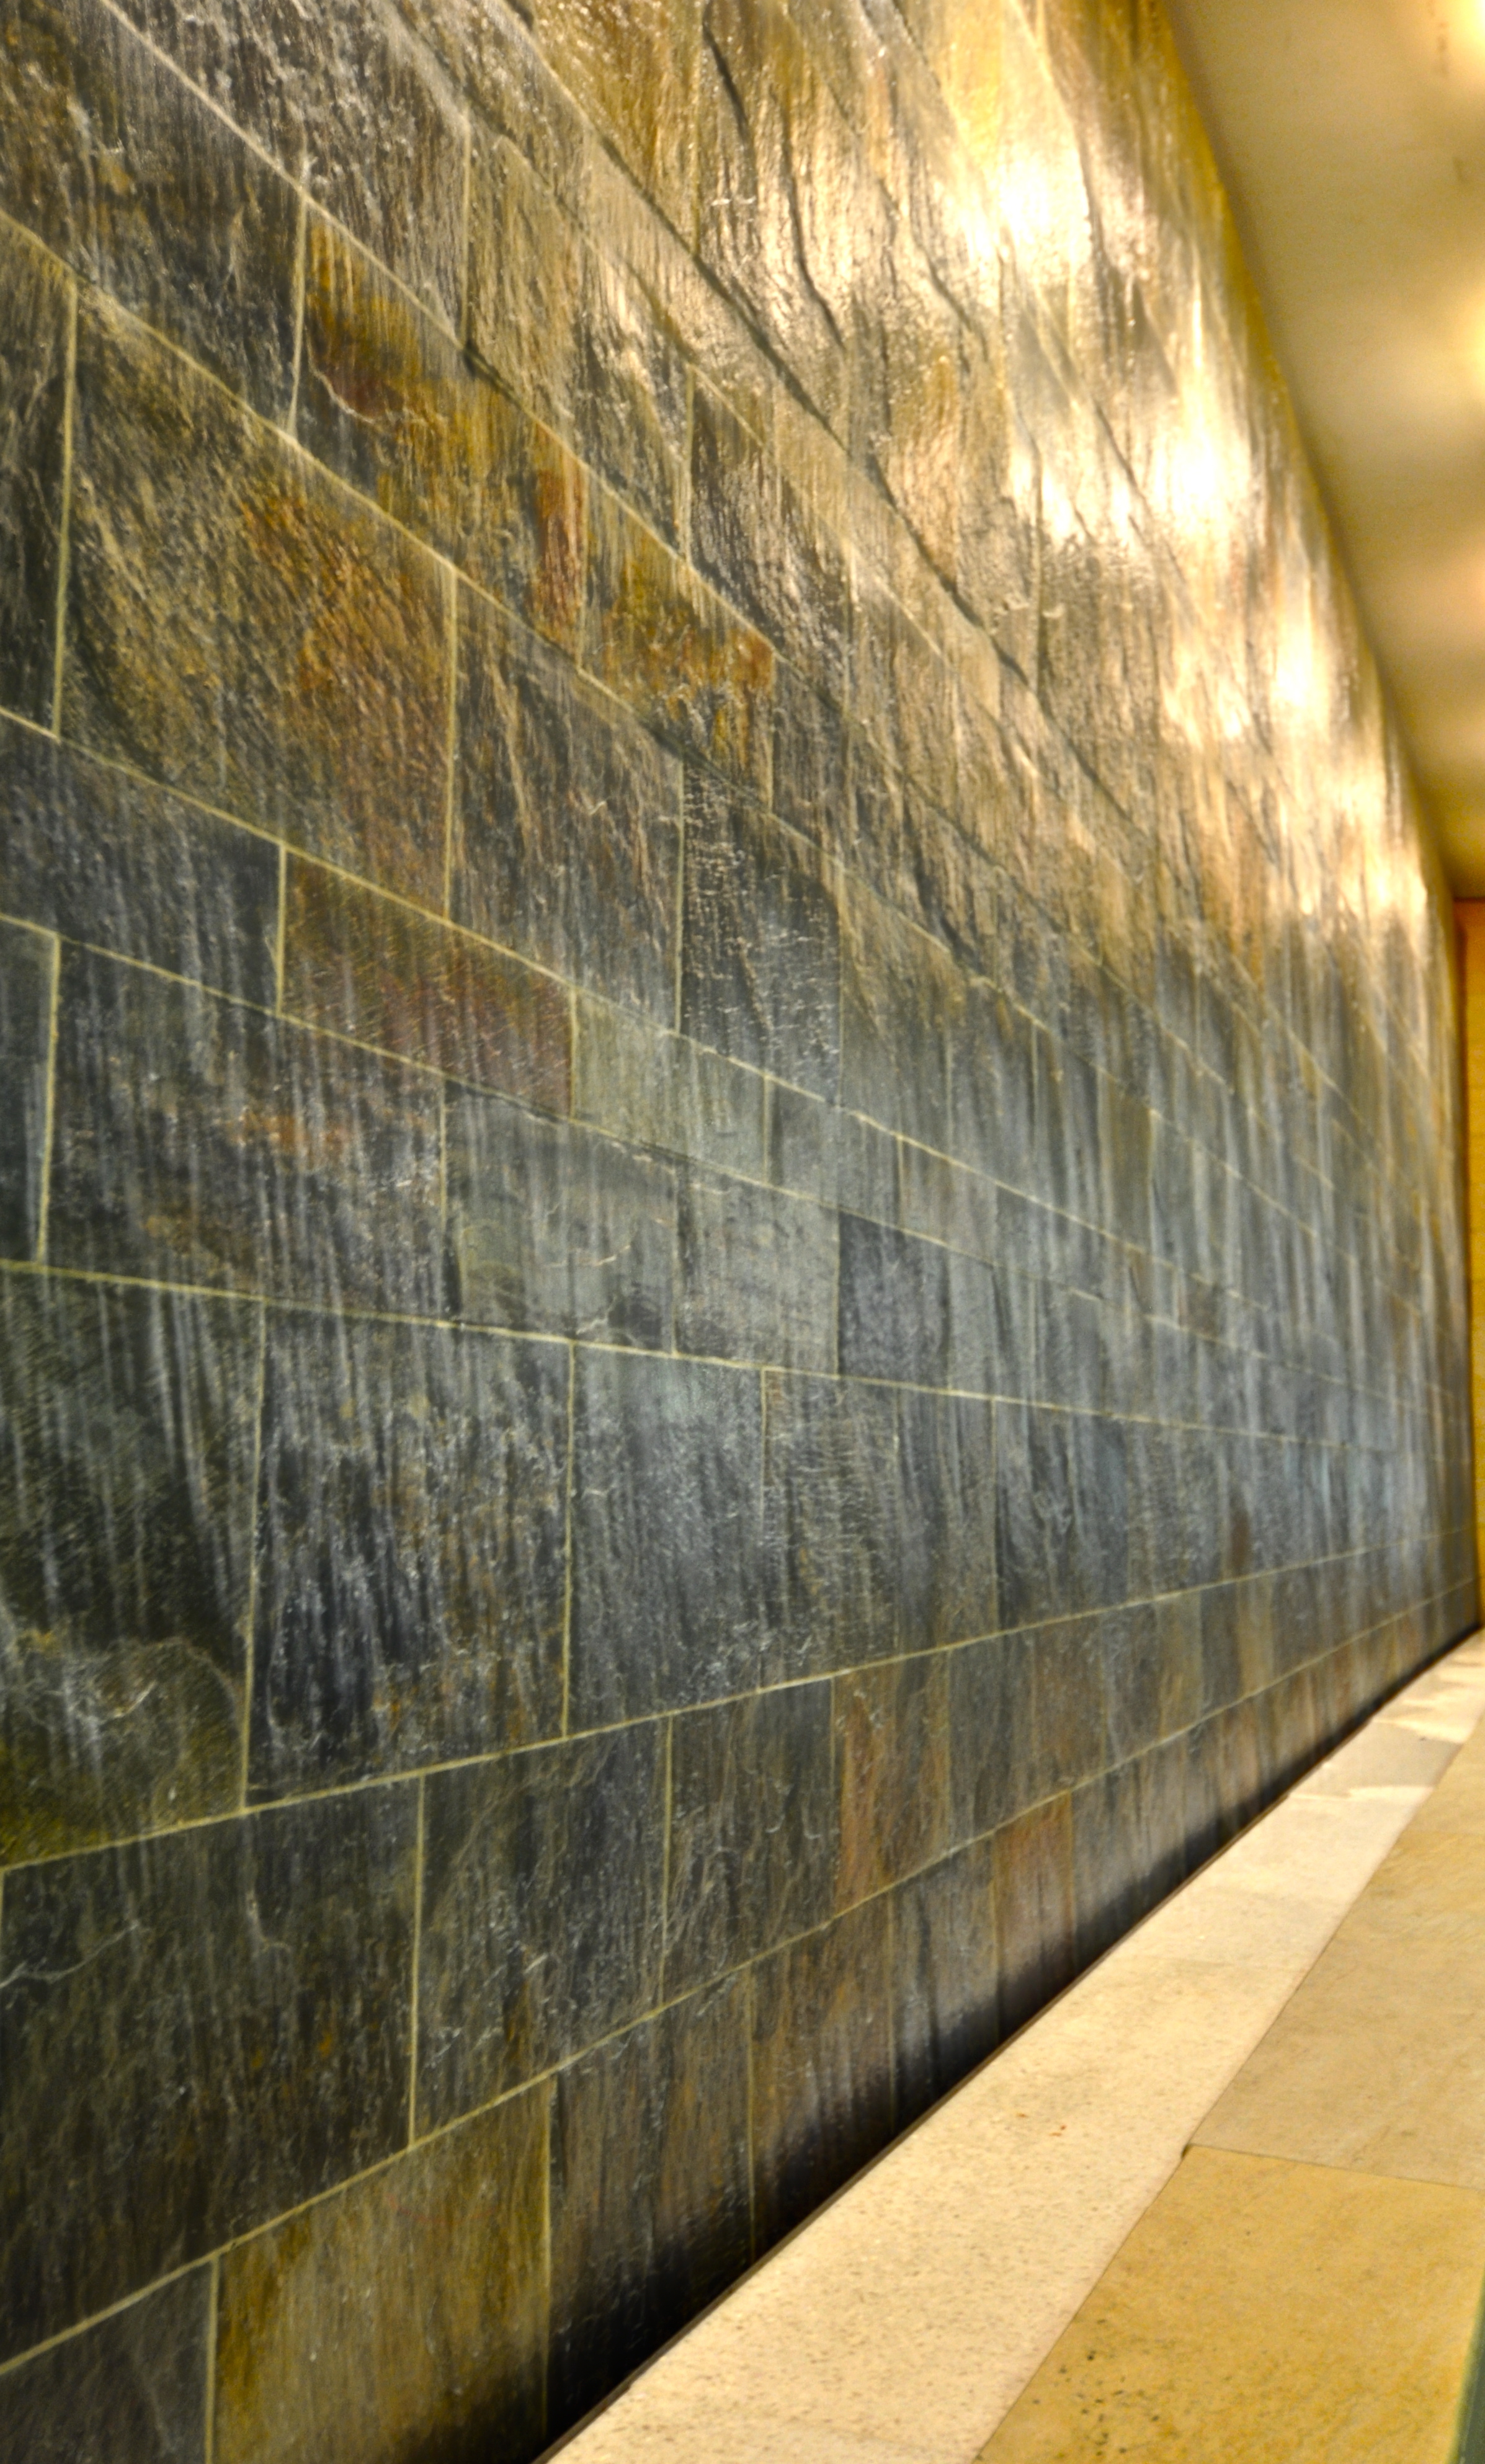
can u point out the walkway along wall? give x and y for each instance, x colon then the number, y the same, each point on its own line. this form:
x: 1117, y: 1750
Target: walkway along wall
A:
x: 734, y: 1284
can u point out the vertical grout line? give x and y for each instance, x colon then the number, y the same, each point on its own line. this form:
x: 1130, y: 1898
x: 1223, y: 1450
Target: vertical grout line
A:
x: 567, y: 1597
x: 452, y: 724
x: 250, y: 1618
x: 64, y: 518
x: 417, y: 1952
x: 300, y: 285
x: 213, y: 2306
x: 49, y: 1100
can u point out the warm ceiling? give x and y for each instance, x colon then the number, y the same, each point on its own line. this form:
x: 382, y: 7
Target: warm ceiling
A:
x: 1351, y: 134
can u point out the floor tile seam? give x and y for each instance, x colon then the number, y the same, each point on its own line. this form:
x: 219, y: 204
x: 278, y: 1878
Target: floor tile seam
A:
x: 1377, y: 2176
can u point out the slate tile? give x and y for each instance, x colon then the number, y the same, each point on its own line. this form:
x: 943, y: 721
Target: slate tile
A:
x: 567, y: 819
x: 891, y: 1725
x: 1034, y: 1912
x: 101, y: 856
x: 824, y: 1153
x: 409, y: 1600
x: 901, y: 1002
x: 664, y: 644
x: 347, y: 104
x: 388, y: 402
x: 941, y: 1201
x: 288, y: 659
x: 172, y: 1155
x: 633, y: 67
x: 127, y: 1432
x: 669, y: 1597
x: 757, y: 1275
x: 946, y: 1541
x: 371, y: 968
x: 553, y: 1227
x: 995, y: 1768
x: 894, y: 1304
x: 142, y: 190
x: 564, y: 332
x: 1129, y: 1845
x: 822, y: 2065
x: 760, y: 951
x: 28, y: 978
x: 665, y: 1091
x: 209, y: 2028
x: 945, y: 1999
x: 33, y: 391
x: 832, y: 1523
x: 405, y: 2310
x: 755, y: 539
x: 810, y: 762
x: 1061, y: 1538
x: 650, y: 2216
x: 515, y: 1972
x: 133, y: 2386
x: 753, y: 1828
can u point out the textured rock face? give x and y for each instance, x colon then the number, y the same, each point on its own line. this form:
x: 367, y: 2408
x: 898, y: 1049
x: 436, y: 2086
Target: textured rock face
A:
x: 731, y: 1286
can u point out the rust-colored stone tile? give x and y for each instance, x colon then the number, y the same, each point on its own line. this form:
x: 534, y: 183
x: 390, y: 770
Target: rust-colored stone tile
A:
x: 892, y: 1727
x: 386, y: 974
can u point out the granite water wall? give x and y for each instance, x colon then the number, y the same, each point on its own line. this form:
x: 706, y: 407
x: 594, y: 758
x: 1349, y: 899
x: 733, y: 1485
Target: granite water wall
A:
x: 733, y: 1279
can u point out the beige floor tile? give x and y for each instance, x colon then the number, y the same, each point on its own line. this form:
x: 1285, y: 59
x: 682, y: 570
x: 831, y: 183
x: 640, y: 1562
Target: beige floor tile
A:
x: 1265, y: 2313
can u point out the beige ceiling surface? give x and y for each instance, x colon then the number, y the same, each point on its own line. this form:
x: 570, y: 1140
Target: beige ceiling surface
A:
x: 1351, y: 134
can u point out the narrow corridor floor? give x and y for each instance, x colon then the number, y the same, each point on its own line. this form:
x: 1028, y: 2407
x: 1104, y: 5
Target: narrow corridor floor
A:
x: 964, y: 2295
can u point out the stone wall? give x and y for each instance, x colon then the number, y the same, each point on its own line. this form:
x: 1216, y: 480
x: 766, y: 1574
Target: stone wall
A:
x: 734, y: 1285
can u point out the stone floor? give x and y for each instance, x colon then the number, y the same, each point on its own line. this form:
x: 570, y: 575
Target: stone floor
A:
x: 1225, y: 2199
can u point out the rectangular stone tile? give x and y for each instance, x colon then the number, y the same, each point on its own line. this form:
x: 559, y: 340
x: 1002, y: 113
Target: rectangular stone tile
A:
x: 649, y: 2192
x: 1035, y: 1923
x: 208, y: 2027
x: 407, y: 2308
x: 663, y: 1091
x: 894, y: 1304
x: 128, y: 1430
x: 753, y: 1829
x: 389, y: 401
x: 516, y: 1974
x: 553, y: 1227
x: 371, y: 968
x: 132, y: 2386
x: 757, y: 541
x: 570, y: 336
x: 810, y: 762
x: 822, y: 2065
x: 633, y: 69
x: 567, y: 819
x: 891, y: 1761
x: 100, y: 856
x: 1062, y: 1521
x: 660, y: 641
x: 757, y: 1275
x: 409, y: 1600
x: 170, y: 1154
x: 946, y: 1543
x: 145, y: 192
x: 1343, y: 2310
x: 1130, y: 1844
x: 832, y: 1523
x: 900, y: 1001
x: 27, y: 978
x: 347, y: 104
x: 668, y: 1596
x: 946, y: 2000
x: 32, y: 390
x: 760, y: 976
x: 289, y: 659
x: 816, y: 1148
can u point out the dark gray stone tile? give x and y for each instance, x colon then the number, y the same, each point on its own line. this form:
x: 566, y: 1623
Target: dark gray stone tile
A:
x: 409, y: 1604
x: 669, y: 1597
x: 407, y: 2312
x: 822, y: 2065
x: 132, y: 2387
x: 894, y: 1304
x: 38, y: 315
x: 830, y: 1155
x: 761, y: 942
x: 892, y: 1760
x: 947, y: 1549
x: 127, y: 176
x: 901, y: 1004
x: 209, y: 2028
x: 758, y: 1274
x: 243, y: 629
x: 753, y: 1829
x: 1062, y: 1527
x: 169, y: 1155
x: 567, y: 819
x: 832, y: 1522
x: 649, y: 2214
x: 127, y: 1431
x: 28, y: 977
x: 945, y: 1982
x: 518, y: 1971
x: 553, y: 1227
x: 665, y: 1091
x: 101, y: 856
x: 1035, y: 1926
